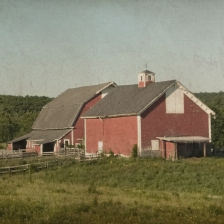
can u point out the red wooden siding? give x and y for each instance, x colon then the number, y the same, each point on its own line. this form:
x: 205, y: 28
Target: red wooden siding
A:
x: 37, y: 148
x: 78, y: 132
x: 9, y: 146
x: 118, y: 134
x: 170, y: 147
x: 68, y: 136
x: 156, y: 123
x: 141, y: 83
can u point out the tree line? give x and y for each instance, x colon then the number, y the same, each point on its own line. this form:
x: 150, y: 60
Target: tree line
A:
x: 216, y: 102
x: 17, y: 114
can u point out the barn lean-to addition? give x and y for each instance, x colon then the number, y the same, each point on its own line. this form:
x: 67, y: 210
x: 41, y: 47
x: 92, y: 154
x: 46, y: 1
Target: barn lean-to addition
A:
x: 162, y: 118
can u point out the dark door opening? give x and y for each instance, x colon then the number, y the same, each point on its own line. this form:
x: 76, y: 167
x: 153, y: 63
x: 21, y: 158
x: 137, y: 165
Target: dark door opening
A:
x: 48, y: 147
x: 19, y: 145
x: 186, y: 150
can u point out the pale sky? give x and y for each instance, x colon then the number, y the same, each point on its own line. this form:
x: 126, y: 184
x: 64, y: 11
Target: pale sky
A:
x: 48, y: 46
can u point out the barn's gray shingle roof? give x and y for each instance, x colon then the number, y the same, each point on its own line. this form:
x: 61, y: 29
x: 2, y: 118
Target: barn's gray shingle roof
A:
x: 64, y: 109
x: 127, y: 100
x: 43, y: 136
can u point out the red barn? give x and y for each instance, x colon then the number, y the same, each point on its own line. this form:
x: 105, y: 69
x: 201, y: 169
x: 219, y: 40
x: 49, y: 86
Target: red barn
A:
x: 162, y: 118
x: 59, y: 122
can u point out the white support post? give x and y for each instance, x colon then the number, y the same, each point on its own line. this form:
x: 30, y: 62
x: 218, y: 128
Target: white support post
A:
x: 41, y: 149
x: 204, y: 149
x: 139, y: 135
x: 72, y: 137
x: 176, y: 156
x: 85, y: 133
x: 209, y: 128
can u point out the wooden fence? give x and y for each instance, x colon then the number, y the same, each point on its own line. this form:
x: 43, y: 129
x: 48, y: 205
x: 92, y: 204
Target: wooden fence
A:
x: 47, y: 164
x: 21, y: 153
x: 22, y: 168
x: 66, y: 151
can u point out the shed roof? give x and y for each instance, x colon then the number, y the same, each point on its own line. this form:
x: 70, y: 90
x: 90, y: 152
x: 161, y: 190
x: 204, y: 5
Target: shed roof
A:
x: 128, y: 100
x: 62, y: 111
x: 46, y: 136
x: 43, y: 136
x: 185, y: 139
x: 23, y: 137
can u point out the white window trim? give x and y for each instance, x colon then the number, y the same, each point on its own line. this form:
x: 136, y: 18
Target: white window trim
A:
x: 66, y: 139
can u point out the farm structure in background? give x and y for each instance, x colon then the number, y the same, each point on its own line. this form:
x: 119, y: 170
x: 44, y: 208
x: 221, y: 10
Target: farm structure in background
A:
x: 59, y: 123
x: 162, y: 118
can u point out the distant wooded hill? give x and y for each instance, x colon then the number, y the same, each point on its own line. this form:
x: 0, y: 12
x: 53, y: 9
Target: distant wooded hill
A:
x: 18, y: 113
x: 216, y: 102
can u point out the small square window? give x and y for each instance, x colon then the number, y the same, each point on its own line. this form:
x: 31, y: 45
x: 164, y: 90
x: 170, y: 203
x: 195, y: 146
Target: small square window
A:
x: 155, y: 144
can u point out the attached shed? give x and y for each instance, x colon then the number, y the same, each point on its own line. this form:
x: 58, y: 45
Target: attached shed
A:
x: 185, y: 147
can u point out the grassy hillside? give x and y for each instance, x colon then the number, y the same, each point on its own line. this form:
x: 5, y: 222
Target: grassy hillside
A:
x: 117, y: 191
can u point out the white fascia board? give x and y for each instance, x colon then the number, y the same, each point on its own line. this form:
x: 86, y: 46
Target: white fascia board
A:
x: 196, y: 100
x: 45, y: 129
x: 109, y: 116
x: 109, y: 84
x: 35, y: 140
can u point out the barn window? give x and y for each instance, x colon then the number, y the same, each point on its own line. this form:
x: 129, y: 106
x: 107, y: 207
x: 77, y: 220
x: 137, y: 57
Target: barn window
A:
x: 66, y: 142
x: 141, y: 78
x: 100, y: 147
x: 155, y: 144
x: 149, y: 77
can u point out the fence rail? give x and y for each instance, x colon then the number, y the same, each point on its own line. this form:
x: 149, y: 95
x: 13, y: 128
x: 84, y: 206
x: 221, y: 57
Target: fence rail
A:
x: 22, y: 168
x: 21, y: 153
x: 80, y: 156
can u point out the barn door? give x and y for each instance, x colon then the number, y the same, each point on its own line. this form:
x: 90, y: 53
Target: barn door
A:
x: 100, y: 147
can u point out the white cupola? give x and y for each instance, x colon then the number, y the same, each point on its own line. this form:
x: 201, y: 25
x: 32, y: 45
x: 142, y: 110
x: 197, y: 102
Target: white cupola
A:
x: 145, y: 78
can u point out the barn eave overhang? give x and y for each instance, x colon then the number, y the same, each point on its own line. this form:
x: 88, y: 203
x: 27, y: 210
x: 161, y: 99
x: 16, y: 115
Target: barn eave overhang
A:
x: 109, y: 116
x: 185, y: 139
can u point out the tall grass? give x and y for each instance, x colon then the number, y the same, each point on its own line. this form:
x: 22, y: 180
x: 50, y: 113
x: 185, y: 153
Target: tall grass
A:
x: 117, y: 190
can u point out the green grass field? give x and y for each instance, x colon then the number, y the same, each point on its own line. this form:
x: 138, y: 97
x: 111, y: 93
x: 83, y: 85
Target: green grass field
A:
x: 116, y: 190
